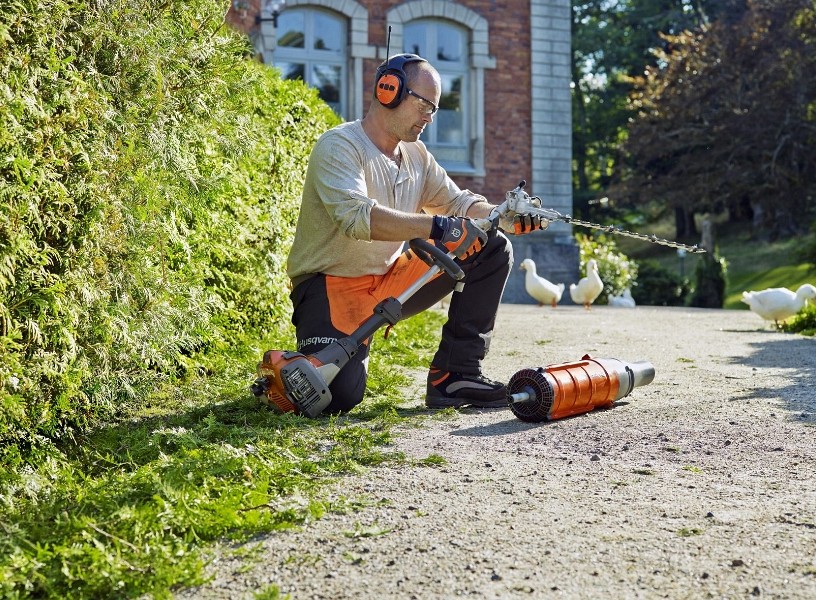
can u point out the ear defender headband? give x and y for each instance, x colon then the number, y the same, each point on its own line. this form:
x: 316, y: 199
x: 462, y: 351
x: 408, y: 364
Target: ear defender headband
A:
x: 390, y: 85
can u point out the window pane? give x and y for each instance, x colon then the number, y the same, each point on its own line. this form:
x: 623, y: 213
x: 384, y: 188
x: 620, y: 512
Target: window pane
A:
x: 290, y: 29
x: 328, y: 33
x: 455, y: 156
x: 451, y: 97
x: 292, y: 70
x: 449, y: 44
x: 450, y: 118
x: 414, y: 40
x: 312, y: 46
x: 445, y: 44
x: 326, y: 78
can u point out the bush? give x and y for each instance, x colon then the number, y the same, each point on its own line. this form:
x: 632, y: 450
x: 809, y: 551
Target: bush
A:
x: 803, y: 322
x: 658, y: 286
x: 617, y: 271
x: 710, y: 280
x: 807, y: 251
x: 148, y: 191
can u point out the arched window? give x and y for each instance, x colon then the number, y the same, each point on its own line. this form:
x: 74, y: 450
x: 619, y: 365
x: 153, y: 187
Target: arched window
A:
x: 311, y: 45
x: 456, y: 41
x: 445, y: 45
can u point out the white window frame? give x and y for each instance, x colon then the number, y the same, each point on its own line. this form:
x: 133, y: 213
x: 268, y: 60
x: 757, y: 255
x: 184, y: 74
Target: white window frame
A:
x: 478, y: 58
x: 309, y: 57
x: 357, y: 50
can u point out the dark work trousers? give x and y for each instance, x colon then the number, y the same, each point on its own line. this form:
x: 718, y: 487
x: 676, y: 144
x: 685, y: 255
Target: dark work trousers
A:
x: 327, y: 308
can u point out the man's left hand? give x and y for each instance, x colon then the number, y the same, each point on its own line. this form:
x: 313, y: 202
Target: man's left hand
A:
x: 523, y: 223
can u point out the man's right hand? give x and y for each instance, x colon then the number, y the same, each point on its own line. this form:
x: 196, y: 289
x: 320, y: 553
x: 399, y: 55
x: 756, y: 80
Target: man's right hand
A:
x: 461, y: 236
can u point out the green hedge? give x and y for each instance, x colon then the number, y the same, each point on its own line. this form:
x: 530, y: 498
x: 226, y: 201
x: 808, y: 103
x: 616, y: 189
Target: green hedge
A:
x: 149, y: 183
x: 658, y: 286
x: 710, y: 281
x: 617, y: 271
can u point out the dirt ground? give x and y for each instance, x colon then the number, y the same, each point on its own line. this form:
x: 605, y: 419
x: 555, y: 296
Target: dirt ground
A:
x: 698, y: 485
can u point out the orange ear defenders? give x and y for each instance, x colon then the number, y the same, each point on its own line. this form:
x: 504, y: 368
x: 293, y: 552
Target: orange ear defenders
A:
x: 390, y: 84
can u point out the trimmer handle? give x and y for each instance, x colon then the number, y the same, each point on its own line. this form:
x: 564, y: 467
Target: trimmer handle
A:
x: 431, y: 255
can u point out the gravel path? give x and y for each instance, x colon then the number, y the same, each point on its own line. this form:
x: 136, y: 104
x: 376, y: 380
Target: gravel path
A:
x: 698, y: 485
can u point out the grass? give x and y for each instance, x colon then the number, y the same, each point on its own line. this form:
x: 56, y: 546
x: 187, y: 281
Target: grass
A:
x: 690, y: 531
x: 132, y: 508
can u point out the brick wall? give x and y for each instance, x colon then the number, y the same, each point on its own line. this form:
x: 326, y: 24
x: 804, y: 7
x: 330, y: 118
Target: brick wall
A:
x: 507, y: 99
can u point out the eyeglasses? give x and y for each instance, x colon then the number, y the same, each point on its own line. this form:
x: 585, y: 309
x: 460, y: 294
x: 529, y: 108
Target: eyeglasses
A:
x: 428, y: 107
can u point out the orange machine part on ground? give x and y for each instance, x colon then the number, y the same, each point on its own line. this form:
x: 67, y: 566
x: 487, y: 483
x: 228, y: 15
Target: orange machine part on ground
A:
x: 564, y: 390
x: 581, y: 387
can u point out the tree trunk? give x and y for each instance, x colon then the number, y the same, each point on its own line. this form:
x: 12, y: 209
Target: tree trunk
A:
x: 684, y: 226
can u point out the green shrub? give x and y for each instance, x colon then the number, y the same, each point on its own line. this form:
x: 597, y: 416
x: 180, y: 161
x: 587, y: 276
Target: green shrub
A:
x: 658, y: 286
x: 710, y: 280
x: 617, y: 271
x: 149, y: 182
x: 803, y: 322
x: 807, y: 251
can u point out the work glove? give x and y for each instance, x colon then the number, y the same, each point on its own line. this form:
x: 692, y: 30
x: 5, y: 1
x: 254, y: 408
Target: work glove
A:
x: 520, y: 224
x: 459, y: 235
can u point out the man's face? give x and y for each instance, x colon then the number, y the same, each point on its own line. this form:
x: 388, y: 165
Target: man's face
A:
x: 417, y: 109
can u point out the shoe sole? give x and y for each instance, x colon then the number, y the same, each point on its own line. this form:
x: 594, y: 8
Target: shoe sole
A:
x: 440, y: 402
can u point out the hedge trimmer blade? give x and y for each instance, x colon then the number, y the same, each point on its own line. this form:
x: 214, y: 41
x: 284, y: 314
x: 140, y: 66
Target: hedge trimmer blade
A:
x: 632, y: 234
x: 518, y: 201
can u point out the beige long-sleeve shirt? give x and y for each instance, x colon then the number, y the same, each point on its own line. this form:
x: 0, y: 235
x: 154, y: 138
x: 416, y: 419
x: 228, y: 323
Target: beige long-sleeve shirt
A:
x: 346, y: 176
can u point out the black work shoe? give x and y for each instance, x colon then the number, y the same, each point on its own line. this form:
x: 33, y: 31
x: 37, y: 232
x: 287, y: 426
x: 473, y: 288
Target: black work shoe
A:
x: 455, y: 390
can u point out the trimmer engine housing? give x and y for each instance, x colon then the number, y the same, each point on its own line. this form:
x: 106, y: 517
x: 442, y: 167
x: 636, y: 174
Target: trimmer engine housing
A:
x: 291, y: 382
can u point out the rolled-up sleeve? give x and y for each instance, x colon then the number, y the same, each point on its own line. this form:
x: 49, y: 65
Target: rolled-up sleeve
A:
x: 339, y: 181
x: 442, y: 196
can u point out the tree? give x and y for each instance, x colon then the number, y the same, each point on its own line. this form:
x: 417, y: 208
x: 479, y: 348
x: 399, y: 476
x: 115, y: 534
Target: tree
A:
x: 613, y: 42
x: 728, y: 121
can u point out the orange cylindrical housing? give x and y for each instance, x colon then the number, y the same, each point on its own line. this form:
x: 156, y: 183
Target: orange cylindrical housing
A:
x: 557, y: 391
x: 580, y: 387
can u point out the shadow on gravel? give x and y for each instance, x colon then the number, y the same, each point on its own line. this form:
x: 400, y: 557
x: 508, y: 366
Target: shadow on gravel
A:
x: 796, y: 354
x: 514, y: 425
x: 507, y: 427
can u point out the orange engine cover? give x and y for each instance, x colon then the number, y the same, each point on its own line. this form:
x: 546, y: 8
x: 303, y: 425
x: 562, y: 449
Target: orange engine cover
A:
x: 563, y: 390
x: 292, y: 383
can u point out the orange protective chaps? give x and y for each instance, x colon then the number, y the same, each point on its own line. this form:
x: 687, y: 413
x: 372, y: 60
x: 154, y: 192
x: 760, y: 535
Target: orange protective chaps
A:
x: 327, y: 308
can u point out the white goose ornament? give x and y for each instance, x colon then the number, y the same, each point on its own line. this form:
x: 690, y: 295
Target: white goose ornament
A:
x: 542, y: 290
x: 623, y: 300
x: 777, y: 304
x: 588, y: 288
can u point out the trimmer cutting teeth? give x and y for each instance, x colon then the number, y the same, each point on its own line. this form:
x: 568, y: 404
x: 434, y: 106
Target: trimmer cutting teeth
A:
x: 517, y: 201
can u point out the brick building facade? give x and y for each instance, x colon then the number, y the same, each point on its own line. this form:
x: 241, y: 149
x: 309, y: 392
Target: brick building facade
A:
x: 505, y: 112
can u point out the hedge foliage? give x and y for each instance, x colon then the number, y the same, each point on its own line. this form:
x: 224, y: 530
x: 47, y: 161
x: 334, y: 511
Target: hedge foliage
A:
x: 149, y: 183
x: 710, y: 281
x: 617, y: 271
x: 659, y: 286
